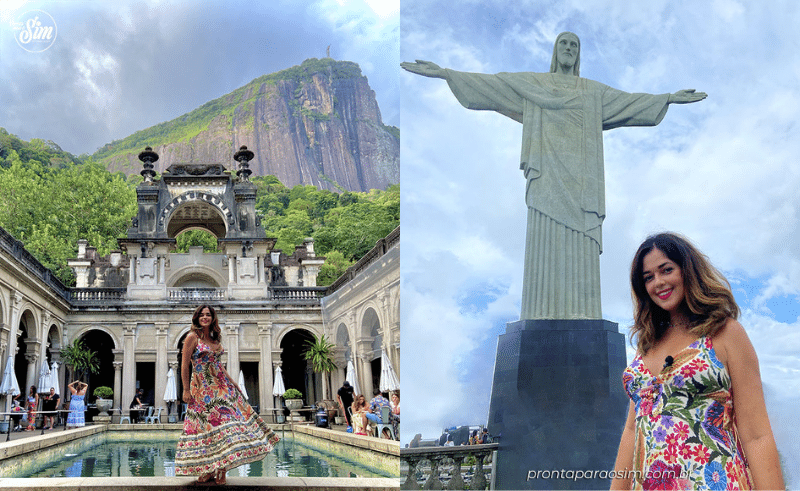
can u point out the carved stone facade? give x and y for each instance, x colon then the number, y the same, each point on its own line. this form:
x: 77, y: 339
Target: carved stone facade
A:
x: 134, y: 307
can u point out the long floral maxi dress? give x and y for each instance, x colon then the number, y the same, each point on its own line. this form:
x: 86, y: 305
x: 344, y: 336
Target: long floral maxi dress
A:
x: 220, y: 430
x: 76, y: 416
x: 686, y: 435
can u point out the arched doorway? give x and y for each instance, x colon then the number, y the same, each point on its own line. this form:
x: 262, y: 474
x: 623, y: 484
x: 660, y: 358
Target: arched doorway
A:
x: 26, y: 332
x: 297, y: 373
x: 370, y: 327
x: 103, y: 345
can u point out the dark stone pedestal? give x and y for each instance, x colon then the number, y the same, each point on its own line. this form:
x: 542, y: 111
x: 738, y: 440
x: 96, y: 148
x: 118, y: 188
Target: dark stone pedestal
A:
x: 558, y: 403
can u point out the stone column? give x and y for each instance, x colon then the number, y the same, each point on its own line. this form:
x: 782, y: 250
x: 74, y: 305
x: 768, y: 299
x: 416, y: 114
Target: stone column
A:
x: 232, y: 349
x: 128, y: 360
x: 162, y: 328
x: 265, y: 369
x: 117, y: 384
x: 231, y: 268
x: 132, y: 271
x: 366, y: 375
x: 260, y: 267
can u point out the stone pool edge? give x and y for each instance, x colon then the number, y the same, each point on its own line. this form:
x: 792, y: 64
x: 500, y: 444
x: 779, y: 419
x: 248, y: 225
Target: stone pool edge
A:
x: 188, y: 483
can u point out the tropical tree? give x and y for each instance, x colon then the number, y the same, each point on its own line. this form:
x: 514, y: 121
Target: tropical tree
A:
x: 319, y: 352
x: 82, y: 359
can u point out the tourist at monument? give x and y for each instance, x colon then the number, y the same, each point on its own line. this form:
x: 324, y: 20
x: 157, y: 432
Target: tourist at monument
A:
x: 221, y: 430
x: 50, y: 405
x: 375, y: 405
x: 359, y: 413
x: 77, y: 405
x: 345, y: 397
x: 697, y: 417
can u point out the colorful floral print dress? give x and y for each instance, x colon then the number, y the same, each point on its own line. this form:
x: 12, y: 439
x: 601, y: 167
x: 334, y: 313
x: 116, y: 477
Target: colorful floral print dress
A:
x: 686, y: 434
x: 220, y: 430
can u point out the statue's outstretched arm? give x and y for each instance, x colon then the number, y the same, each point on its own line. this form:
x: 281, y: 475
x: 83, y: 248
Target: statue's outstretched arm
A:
x: 424, y: 68
x: 686, y: 96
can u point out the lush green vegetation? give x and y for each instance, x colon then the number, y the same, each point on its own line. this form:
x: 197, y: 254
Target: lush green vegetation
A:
x: 49, y: 199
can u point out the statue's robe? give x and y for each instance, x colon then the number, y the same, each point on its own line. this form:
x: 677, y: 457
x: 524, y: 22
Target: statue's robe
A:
x: 563, y: 118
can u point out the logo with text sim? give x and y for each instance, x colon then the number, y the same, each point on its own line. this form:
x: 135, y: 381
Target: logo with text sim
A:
x: 35, y: 31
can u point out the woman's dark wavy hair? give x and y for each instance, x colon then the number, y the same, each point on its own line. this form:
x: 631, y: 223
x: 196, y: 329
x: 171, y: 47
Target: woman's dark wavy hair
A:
x: 708, y: 295
x: 213, y: 330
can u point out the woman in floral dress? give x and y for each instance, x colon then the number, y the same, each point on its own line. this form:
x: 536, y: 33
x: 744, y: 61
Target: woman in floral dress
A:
x: 77, y: 405
x: 697, y: 418
x: 221, y: 430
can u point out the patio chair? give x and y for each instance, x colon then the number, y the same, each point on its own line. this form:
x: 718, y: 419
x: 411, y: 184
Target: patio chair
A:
x: 122, y: 417
x: 154, y: 418
x: 386, y: 424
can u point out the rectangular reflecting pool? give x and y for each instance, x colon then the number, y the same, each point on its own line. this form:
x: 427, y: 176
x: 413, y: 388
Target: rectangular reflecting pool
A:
x: 148, y: 454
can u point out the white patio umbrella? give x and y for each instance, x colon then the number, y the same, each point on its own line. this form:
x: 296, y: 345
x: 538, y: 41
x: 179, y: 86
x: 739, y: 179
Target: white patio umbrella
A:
x: 54, y: 382
x: 241, y: 385
x: 351, y: 377
x: 388, y: 375
x: 44, y: 379
x: 171, y: 392
x: 277, y: 386
x: 10, y: 386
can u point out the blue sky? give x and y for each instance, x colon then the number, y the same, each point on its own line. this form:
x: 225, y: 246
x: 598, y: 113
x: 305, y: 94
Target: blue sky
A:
x: 123, y: 66
x: 723, y: 172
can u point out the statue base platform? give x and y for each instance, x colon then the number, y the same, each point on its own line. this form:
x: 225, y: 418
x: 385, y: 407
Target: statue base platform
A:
x: 558, y: 403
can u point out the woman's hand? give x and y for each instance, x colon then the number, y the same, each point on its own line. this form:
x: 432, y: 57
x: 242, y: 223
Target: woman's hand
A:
x: 187, y: 396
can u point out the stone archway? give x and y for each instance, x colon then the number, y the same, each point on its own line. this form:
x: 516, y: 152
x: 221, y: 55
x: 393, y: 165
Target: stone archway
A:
x: 297, y: 373
x: 103, y: 345
x: 370, y: 330
x: 196, y: 210
x: 27, y: 353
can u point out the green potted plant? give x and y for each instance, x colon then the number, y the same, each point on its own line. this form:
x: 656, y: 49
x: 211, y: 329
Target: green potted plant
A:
x: 294, y: 399
x: 104, y: 401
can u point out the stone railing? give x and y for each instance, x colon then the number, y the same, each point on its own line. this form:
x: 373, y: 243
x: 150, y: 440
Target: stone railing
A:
x: 81, y: 296
x: 34, y: 267
x: 381, y: 247
x: 444, y: 469
x: 297, y: 292
x: 196, y: 294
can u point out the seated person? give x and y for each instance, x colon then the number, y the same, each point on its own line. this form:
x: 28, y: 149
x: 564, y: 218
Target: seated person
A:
x: 375, y: 405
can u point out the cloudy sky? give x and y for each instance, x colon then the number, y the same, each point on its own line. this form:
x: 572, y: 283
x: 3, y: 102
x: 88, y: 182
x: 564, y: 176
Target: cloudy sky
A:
x: 724, y: 172
x: 123, y: 66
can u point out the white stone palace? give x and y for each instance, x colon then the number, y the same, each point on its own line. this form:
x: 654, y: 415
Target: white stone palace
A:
x: 134, y: 307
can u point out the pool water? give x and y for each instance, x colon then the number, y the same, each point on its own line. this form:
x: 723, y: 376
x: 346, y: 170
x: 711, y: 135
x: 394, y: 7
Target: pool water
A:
x: 289, y: 458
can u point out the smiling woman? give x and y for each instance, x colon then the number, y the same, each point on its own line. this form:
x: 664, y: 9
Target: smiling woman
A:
x: 699, y: 421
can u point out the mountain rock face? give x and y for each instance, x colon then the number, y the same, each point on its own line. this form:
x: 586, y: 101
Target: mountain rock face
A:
x: 317, y: 123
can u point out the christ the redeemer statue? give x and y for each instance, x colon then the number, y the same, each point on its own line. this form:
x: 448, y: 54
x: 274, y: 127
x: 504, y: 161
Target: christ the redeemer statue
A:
x: 563, y: 117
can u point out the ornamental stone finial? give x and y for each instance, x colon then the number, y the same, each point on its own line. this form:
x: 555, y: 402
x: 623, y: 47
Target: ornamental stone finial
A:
x: 244, y: 156
x: 148, y: 157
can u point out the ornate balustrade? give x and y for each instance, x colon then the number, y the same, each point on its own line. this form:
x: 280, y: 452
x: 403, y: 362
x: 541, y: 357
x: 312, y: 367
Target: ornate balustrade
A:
x: 381, y: 247
x: 83, y: 296
x: 297, y: 292
x: 196, y: 294
x: 445, y: 467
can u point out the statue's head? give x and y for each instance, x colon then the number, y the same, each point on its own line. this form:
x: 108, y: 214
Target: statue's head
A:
x: 567, y: 51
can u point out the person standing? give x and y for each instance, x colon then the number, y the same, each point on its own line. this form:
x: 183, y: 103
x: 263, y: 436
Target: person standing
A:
x: 345, y: 397
x: 31, y: 404
x: 50, y: 405
x: 220, y: 430
x: 77, y: 405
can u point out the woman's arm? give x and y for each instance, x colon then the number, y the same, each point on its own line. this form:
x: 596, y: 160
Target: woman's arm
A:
x: 624, y: 463
x: 189, y: 344
x: 231, y: 379
x: 750, y: 410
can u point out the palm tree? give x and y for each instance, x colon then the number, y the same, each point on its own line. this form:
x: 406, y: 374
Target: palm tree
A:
x: 82, y: 359
x: 320, y: 353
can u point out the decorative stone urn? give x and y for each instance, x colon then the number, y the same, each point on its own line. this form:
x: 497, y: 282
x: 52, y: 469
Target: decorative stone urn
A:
x: 294, y: 404
x: 104, y: 405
